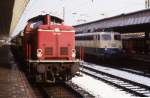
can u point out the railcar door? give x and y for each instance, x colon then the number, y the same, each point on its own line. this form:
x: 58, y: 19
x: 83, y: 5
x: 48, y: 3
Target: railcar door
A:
x: 97, y: 40
x: 106, y: 40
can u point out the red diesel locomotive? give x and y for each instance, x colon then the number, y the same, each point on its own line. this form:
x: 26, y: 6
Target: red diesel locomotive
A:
x: 49, y: 49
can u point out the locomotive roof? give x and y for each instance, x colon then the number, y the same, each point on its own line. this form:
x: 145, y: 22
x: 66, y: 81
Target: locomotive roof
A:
x: 41, y: 17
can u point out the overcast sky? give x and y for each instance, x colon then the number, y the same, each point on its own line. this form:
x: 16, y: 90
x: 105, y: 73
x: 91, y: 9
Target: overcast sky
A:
x: 79, y: 11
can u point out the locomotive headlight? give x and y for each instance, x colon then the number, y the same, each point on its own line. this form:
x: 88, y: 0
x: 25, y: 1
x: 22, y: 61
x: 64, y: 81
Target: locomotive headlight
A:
x: 73, y: 53
x: 105, y: 48
x: 39, y: 53
x: 57, y: 30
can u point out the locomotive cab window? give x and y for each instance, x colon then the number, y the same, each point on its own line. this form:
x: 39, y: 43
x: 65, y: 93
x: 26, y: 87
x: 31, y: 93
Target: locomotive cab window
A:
x: 106, y: 37
x: 117, y: 37
x: 56, y: 21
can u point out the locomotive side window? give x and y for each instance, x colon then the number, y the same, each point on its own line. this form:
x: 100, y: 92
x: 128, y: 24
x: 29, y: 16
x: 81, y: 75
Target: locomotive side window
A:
x: 117, y: 37
x: 106, y: 37
x: 35, y: 25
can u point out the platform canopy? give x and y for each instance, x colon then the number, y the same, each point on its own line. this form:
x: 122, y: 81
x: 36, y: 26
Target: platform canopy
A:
x: 10, y: 13
x: 138, y: 21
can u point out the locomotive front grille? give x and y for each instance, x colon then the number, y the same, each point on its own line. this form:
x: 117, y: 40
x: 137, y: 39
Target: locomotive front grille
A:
x: 63, y: 51
x: 48, y: 51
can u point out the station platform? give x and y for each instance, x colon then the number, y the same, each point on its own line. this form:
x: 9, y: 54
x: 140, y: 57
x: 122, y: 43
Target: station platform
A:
x: 13, y: 83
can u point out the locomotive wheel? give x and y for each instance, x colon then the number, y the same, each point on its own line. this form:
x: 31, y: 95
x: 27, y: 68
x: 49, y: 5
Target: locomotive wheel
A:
x: 50, y: 76
x: 74, y: 69
x: 32, y: 72
x: 65, y: 77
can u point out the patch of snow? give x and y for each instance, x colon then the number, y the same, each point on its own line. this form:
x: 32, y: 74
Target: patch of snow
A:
x: 98, y: 88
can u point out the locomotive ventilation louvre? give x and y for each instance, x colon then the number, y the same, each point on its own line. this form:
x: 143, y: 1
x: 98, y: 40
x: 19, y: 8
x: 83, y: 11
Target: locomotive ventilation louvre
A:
x: 63, y: 51
x: 48, y: 51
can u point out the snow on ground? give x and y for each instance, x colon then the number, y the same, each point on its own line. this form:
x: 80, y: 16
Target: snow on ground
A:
x: 124, y: 74
x: 98, y: 88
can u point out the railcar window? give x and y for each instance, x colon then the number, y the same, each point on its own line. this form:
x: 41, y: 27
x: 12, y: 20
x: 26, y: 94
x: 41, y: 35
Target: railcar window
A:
x: 106, y: 37
x: 79, y: 38
x: 90, y: 37
x: 117, y: 37
x: 78, y: 32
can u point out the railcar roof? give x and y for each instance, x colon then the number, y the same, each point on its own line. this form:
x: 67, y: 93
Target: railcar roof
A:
x: 137, y: 38
x: 95, y: 33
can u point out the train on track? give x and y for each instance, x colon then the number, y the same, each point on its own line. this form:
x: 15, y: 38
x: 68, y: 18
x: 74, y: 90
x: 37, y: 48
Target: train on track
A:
x: 100, y: 44
x: 48, y: 49
x: 138, y: 45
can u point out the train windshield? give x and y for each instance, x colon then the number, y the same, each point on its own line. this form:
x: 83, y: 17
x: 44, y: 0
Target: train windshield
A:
x: 106, y: 37
x: 117, y: 37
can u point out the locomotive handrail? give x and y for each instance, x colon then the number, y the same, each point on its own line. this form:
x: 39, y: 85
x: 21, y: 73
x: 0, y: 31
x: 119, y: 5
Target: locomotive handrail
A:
x: 53, y: 61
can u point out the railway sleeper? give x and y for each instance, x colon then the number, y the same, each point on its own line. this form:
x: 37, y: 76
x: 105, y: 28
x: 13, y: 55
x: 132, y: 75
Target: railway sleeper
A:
x: 147, y: 94
x: 143, y: 91
x: 125, y: 84
x: 139, y: 89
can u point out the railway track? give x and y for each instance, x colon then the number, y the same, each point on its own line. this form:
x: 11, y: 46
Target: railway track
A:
x: 136, y: 72
x: 125, y: 63
x: 132, y: 87
x: 61, y: 90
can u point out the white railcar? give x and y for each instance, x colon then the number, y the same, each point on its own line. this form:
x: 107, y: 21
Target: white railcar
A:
x: 101, y: 44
